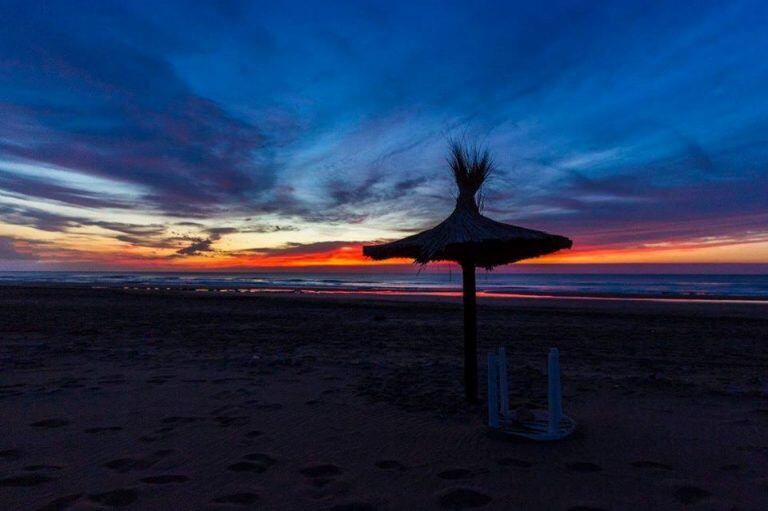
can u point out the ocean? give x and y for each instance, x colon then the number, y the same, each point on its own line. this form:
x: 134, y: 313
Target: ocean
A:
x: 673, y: 286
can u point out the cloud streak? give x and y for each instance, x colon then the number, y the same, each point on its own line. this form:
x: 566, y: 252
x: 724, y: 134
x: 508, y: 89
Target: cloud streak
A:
x: 8, y: 250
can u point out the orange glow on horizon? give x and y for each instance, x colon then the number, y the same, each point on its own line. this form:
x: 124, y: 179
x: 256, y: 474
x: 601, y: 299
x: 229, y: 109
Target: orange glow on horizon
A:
x: 136, y: 258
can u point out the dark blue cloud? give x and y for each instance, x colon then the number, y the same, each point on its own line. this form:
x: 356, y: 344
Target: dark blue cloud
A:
x: 8, y: 251
x: 92, y: 89
x: 38, y: 188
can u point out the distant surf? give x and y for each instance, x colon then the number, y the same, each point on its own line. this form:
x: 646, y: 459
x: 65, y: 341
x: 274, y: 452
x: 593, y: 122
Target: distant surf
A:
x: 672, y: 286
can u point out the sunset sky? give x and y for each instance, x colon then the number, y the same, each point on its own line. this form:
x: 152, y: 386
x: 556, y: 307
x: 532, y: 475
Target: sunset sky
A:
x: 162, y: 135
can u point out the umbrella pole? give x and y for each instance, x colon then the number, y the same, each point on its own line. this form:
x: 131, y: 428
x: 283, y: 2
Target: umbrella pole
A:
x: 470, y: 331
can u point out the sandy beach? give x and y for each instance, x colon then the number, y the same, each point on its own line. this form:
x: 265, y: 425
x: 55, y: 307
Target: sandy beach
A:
x: 180, y: 400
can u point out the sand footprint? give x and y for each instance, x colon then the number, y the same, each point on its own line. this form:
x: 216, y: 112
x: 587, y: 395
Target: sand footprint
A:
x: 651, y: 464
x: 247, y: 466
x: 180, y: 420
x: 225, y: 421
x: 256, y: 462
x: 116, y: 498
x: 269, y: 406
x: 328, y: 489
x: 61, y: 503
x: 114, y: 379
x: 259, y: 457
x: 514, y: 462
x: 25, y: 480
x: 37, y: 468
x: 322, y: 479
x: 10, y: 454
x: 324, y: 470
x: 123, y: 465
x: 455, y: 473
x: 103, y: 429
x: 688, y: 494
x: 238, y: 499
x: 165, y: 479
x: 582, y: 466
x: 463, y: 498
x: 50, y: 423
x: 160, y: 379
x: 353, y: 506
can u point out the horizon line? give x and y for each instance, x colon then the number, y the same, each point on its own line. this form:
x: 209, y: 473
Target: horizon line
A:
x: 530, y: 268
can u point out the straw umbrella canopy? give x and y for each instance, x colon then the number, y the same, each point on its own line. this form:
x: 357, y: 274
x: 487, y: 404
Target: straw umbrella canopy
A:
x: 471, y: 240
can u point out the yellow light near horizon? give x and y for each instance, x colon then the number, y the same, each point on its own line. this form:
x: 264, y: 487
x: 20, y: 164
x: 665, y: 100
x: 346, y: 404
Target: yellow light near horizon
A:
x: 735, y: 253
x: 93, y: 244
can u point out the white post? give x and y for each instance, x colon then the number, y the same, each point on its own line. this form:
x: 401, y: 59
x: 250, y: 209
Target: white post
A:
x: 493, y: 392
x: 503, y: 384
x: 554, y: 393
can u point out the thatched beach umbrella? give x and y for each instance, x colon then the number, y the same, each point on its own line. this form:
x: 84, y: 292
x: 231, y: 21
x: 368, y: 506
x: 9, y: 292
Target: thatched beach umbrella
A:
x: 471, y: 240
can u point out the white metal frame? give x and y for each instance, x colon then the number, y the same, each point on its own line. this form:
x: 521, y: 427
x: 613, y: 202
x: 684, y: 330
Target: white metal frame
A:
x: 546, y: 425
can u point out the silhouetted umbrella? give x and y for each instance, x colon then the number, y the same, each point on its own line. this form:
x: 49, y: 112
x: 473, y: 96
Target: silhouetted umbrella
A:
x: 472, y: 240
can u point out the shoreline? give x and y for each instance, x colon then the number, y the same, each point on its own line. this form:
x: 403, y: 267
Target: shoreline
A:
x: 395, y: 293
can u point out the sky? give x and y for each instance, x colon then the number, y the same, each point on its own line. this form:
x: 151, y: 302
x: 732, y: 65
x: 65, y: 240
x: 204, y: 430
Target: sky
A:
x: 217, y: 135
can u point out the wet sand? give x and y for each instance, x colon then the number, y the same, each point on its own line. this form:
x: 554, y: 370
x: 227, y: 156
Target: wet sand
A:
x: 167, y: 400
